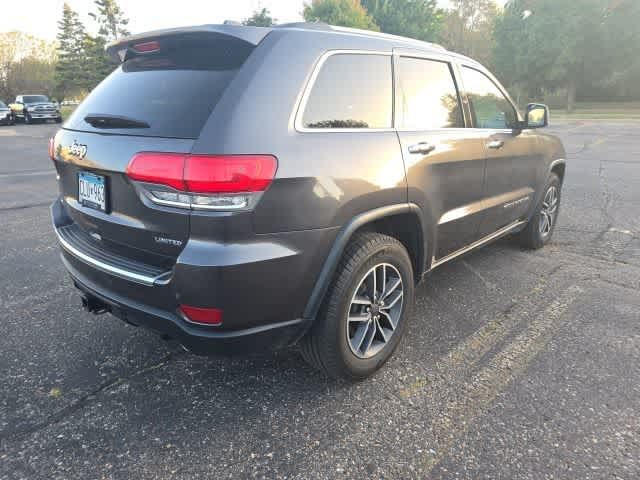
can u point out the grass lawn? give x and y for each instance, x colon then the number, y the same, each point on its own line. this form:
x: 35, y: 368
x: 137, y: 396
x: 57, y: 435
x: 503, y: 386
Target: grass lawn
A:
x: 600, y: 111
x: 66, y: 110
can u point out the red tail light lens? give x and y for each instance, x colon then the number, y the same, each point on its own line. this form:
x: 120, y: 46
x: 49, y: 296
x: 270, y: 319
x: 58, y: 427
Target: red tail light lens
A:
x: 159, y: 168
x: 209, y: 182
x: 147, y: 47
x: 205, y: 316
x: 52, y: 149
x: 204, y: 173
x: 229, y: 174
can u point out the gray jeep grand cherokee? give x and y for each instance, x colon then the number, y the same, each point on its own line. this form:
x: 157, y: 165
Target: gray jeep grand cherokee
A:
x: 236, y: 188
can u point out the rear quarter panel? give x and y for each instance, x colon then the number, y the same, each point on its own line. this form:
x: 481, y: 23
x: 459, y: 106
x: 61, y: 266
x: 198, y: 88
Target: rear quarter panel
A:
x: 323, y: 178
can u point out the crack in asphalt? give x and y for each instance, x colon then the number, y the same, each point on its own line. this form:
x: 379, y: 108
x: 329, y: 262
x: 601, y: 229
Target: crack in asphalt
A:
x: 84, y: 400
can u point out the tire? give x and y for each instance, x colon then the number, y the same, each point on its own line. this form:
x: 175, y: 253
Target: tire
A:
x: 58, y: 119
x: 27, y: 119
x: 534, y: 236
x: 331, y: 344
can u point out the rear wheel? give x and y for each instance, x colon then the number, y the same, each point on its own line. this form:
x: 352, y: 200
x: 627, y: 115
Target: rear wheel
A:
x: 540, y: 228
x: 365, y: 312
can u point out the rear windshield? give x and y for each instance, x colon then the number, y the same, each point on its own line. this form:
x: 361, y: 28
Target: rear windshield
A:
x: 173, y: 91
x: 2, y: 105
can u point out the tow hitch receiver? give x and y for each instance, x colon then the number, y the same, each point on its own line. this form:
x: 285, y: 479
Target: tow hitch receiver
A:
x: 93, y: 305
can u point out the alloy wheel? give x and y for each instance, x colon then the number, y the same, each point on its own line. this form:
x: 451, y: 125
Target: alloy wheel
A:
x: 548, y: 211
x: 375, y: 310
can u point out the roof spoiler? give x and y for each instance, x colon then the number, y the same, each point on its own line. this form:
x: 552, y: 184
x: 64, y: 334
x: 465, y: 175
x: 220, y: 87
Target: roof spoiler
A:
x: 118, y: 49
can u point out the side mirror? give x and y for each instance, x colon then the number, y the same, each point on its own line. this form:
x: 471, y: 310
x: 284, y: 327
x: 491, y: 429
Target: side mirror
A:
x: 537, y: 116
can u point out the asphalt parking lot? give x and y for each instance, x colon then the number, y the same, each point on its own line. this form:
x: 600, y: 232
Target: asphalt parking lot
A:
x: 516, y: 365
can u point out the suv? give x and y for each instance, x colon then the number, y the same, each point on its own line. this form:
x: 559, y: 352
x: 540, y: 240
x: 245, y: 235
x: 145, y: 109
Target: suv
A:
x: 30, y: 108
x: 237, y: 188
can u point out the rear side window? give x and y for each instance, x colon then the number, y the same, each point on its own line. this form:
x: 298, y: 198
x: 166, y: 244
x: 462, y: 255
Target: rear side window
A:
x: 489, y: 107
x: 351, y: 91
x: 426, y: 97
x: 173, y: 90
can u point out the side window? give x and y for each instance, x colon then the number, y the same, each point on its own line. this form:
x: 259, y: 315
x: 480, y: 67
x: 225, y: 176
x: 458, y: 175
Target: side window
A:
x: 426, y: 95
x: 489, y: 107
x: 351, y: 91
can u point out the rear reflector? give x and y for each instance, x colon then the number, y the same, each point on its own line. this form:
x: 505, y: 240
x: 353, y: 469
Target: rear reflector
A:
x: 205, y: 316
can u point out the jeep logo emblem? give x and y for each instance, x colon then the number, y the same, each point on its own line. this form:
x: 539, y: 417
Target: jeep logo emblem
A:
x: 78, y: 150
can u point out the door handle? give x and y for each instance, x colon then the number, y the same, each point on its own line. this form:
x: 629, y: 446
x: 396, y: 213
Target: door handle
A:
x: 422, y: 147
x: 495, y: 144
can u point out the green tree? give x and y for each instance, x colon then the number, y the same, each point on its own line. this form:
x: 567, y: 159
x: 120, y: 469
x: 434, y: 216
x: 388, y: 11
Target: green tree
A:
x: 420, y: 19
x: 97, y: 64
x: 510, y: 48
x: 111, y: 20
x: 112, y: 24
x: 27, y: 64
x: 621, y: 28
x: 260, y: 18
x: 346, y: 13
x: 71, y: 54
x: 564, y: 45
x: 468, y: 28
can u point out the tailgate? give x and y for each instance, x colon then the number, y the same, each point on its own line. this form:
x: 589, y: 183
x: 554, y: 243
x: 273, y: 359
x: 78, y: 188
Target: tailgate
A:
x: 129, y: 219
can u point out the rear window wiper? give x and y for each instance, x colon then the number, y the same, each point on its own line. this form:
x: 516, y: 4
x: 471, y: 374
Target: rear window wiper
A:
x: 101, y: 120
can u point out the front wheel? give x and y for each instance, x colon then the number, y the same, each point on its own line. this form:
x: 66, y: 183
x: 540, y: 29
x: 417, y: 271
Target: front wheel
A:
x: 27, y: 119
x: 365, y: 312
x: 540, y: 228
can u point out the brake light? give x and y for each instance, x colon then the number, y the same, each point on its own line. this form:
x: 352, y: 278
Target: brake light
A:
x: 229, y: 174
x: 52, y: 149
x: 204, y: 316
x: 216, y: 182
x: 160, y: 168
x: 147, y: 47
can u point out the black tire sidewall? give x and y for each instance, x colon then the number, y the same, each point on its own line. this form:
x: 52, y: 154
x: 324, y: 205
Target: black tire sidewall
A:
x: 358, y: 367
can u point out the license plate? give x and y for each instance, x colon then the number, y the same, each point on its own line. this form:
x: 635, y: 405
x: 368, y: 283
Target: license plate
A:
x: 92, y: 191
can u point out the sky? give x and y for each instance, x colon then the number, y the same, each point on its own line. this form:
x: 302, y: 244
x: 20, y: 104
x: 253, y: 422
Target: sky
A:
x: 40, y: 17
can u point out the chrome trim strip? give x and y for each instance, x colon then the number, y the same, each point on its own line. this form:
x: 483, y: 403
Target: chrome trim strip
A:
x: 491, y: 202
x: 146, y: 280
x: 302, y: 105
x: 478, y: 243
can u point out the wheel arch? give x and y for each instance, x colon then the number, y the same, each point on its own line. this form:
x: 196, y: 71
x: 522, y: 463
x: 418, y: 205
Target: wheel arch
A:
x: 401, y: 221
x: 558, y: 167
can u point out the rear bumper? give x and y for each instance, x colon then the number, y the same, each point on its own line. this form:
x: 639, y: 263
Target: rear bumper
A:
x: 262, y: 286
x: 199, y: 340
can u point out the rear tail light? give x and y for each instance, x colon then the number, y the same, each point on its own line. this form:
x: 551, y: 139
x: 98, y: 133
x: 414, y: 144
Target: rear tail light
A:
x: 204, y: 316
x: 52, y: 149
x: 214, y: 182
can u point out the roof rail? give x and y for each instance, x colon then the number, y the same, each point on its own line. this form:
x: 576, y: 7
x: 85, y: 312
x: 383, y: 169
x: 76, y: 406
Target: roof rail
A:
x: 357, y: 31
x: 305, y: 25
x: 387, y: 36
